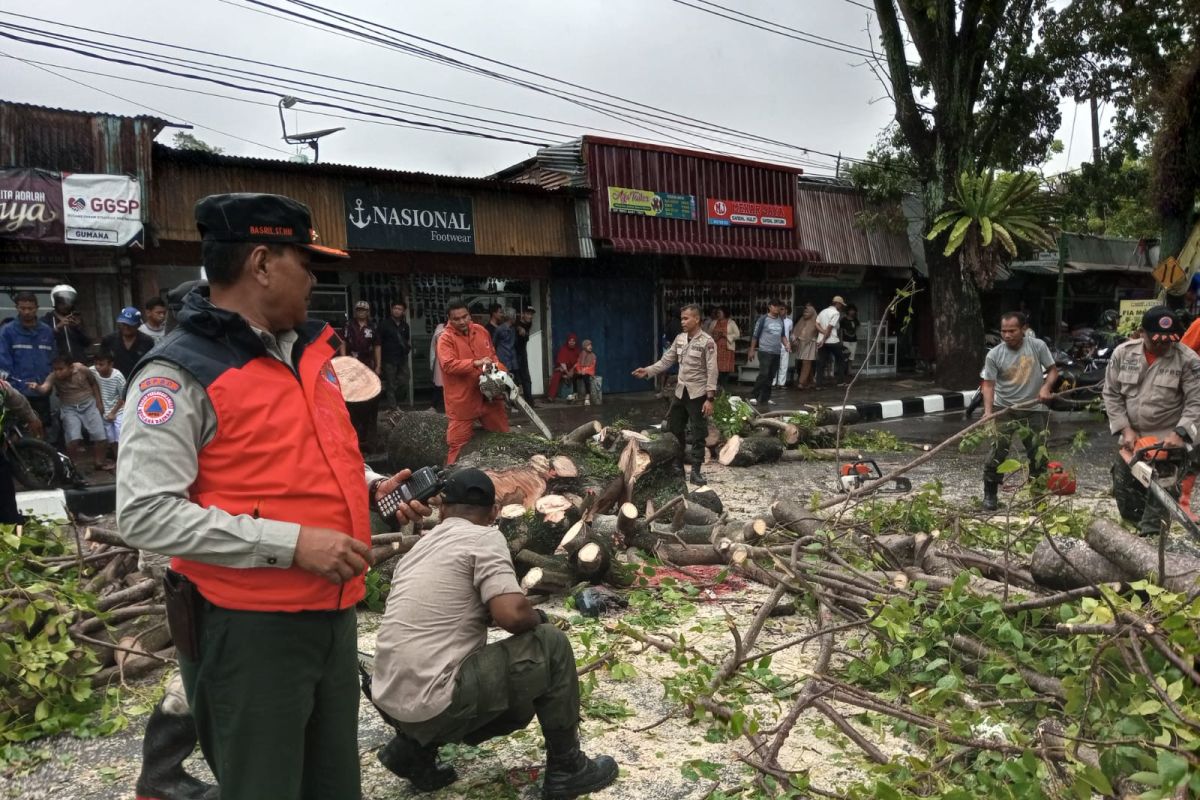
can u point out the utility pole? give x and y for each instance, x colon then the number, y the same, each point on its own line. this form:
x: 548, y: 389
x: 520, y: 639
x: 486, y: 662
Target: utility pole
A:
x: 1060, y: 298
x: 837, y: 169
x: 1096, y: 152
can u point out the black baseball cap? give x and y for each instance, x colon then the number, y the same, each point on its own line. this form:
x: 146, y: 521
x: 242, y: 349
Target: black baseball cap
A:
x: 261, y: 218
x: 468, y: 486
x: 1161, y: 325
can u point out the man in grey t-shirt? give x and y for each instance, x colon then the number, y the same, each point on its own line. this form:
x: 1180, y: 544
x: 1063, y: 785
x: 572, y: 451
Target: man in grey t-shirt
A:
x: 437, y: 681
x: 1013, y: 375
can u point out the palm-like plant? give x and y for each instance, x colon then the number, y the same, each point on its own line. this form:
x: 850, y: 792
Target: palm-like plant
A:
x: 988, y: 216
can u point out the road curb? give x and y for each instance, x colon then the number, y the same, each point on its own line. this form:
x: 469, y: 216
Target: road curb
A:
x: 918, y: 406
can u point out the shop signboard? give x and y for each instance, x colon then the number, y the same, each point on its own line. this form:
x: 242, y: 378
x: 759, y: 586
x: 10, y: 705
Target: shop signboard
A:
x: 1131, y: 312
x: 31, y: 205
x: 651, y: 204
x: 758, y: 215
x: 383, y: 220
x: 102, y: 210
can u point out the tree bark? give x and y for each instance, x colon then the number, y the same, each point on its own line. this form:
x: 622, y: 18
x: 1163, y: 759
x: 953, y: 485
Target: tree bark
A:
x: 1078, y: 565
x: 747, y: 451
x: 1138, y: 557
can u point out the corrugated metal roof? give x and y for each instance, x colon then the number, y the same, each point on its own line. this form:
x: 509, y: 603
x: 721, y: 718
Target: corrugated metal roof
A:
x: 827, y: 217
x: 375, y: 173
x: 34, y: 107
x: 658, y: 169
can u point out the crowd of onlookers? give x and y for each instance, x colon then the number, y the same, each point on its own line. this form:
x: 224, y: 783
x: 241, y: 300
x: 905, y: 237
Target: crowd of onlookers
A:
x: 75, y: 383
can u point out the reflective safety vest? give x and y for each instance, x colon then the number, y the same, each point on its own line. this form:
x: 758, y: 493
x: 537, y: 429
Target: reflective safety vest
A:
x: 284, y: 450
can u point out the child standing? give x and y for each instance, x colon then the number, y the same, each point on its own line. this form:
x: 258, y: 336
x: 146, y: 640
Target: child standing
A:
x: 112, y: 394
x: 80, y: 403
x: 585, y: 368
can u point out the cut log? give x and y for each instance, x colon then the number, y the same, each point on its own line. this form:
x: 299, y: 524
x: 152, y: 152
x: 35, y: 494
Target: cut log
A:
x: 529, y: 559
x: 689, y: 512
x: 651, y: 470
x: 544, y: 581
x: 575, y: 537
x: 540, y: 462
x: 818, y: 454
x: 648, y: 453
x: 553, y: 507
x: 583, y: 433
x: 1138, y: 557
x: 747, y: 451
x: 786, y: 432
x: 796, y: 517
x: 415, y: 439
x: 683, y: 555
x: 1078, y: 565
x: 707, y: 496
x: 592, y: 561
x: 523, y: 485
x: 612, y: 438
x: 564, y: 467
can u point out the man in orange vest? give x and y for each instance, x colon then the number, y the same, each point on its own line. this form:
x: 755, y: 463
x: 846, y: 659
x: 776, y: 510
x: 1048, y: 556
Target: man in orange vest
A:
x: 239, y: 460
x: 464, y: 351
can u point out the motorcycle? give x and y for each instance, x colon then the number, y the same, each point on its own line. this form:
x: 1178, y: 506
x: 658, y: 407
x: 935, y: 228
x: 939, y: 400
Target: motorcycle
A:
x: 37, y: 464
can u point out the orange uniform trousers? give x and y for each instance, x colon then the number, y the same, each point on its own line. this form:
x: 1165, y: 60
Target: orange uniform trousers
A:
x: 494, y: 417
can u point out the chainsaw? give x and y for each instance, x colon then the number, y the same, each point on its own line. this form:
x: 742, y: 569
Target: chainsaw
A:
x: 856, y: 474
x: 495, y: 382
x: 1160, y: 469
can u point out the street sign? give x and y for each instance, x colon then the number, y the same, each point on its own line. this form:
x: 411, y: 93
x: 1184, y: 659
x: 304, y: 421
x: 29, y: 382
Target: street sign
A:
x: 1168, y: 272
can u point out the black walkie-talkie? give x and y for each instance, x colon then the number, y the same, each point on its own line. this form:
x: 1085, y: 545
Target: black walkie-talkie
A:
x: 420, y: 486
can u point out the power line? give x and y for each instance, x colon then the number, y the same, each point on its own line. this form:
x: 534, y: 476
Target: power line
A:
x: 431, y: 55
x: 860, y: 5
x: 778, y: 29
x: 256, y: 90
x: 165, y: 114
x: 259, y: 75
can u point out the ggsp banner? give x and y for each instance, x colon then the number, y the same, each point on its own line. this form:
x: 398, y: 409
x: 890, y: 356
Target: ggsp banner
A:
x: 74, y: 208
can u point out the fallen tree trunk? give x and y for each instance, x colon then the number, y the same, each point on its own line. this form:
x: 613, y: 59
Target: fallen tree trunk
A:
x: 1061, y: 562
x: 415, y: 439
x: 583, y: 433
x: 1138, y: 557
x: 747, y: 451
x: 786, y: 432
x: 795, y: 517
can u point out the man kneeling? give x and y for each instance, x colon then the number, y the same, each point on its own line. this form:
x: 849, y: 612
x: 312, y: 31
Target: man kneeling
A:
x: 437, y: 680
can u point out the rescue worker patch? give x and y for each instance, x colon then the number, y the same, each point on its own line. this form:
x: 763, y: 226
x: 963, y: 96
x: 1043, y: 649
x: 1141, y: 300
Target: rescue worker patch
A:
x: 163, y: 383
x: 155, y: 407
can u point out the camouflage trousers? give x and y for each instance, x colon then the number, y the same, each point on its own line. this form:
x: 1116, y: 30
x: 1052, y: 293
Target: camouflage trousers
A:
x: 1027, y: 425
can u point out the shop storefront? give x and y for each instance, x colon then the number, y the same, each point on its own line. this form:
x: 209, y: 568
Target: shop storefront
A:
x: 73, y: 202
x: 422, y: 239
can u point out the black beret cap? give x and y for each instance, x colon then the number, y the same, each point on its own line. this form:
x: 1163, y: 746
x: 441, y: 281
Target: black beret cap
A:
x: 469, y: 487
x: 261, y: 219
x: 1161, y: 324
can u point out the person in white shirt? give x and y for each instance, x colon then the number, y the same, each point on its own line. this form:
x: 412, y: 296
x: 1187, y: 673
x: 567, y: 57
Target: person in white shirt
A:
x: 154, y: 319
x: 830, y: 344
x: 112, y: 395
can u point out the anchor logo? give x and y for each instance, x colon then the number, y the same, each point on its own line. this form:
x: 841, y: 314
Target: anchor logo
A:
x: 357, y: 219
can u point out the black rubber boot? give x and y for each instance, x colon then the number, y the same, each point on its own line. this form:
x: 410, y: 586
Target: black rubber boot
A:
x: 406, y: 758
x: 990, y: 501
x: 570, y: 773
x: 169, y: 739
x: 697, y: 479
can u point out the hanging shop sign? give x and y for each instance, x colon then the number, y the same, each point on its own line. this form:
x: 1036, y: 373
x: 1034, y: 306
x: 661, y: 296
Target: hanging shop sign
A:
x: 74, y: 208
x: 651, y: 204
x: 31, y: 205
x: 383, y: 220
x: 759, y: 215
x: 1131, y: 312
x: 102, y: 210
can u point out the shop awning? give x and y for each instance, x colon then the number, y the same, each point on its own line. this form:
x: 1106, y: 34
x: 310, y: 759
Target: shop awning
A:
x: 708, y: 250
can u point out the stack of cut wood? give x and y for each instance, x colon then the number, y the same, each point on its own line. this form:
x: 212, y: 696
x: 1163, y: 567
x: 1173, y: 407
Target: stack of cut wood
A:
x: 776, y: 436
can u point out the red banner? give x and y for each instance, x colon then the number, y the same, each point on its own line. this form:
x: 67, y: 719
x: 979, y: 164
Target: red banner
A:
x: 760, y: 215
x: 31, y: 205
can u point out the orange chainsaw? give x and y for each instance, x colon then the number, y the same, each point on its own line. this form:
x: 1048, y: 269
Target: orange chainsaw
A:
x: 856, y: 474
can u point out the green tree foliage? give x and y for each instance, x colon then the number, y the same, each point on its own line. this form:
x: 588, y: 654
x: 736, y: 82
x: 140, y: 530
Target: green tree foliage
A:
x: 988, y: 216
x: 1112, y: 198
x: 977, y: 97
x: 187, y: 141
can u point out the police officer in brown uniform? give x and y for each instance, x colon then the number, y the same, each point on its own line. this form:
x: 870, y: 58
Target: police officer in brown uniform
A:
x: 696, y: 354
x: 1151, y: 389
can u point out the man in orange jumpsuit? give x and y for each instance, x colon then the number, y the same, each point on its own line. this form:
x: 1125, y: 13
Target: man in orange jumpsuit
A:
x: 462, y: 352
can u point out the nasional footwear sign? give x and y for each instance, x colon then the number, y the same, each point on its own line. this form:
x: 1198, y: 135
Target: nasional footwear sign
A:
x: 383, y: 220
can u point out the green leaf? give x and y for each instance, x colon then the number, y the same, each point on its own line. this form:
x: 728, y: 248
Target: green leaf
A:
x: 957, y: 235
x: 1172, y: 768
x: 1008, y: 466
x: 985, y: 231
x: 1098, y: 781
x: 1147, y: 707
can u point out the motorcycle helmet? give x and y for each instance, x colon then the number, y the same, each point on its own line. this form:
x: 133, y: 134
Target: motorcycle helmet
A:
x: 1109, y: 319
x: 64, y: 293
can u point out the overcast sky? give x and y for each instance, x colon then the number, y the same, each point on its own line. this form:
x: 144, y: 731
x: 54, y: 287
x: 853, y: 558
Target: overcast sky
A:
x: 656, y: 52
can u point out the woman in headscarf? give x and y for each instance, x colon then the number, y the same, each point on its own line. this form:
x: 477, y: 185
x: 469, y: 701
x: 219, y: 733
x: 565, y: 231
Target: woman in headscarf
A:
x: 725, y: 333
x: 804, y: 338
x: 564, y: 365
